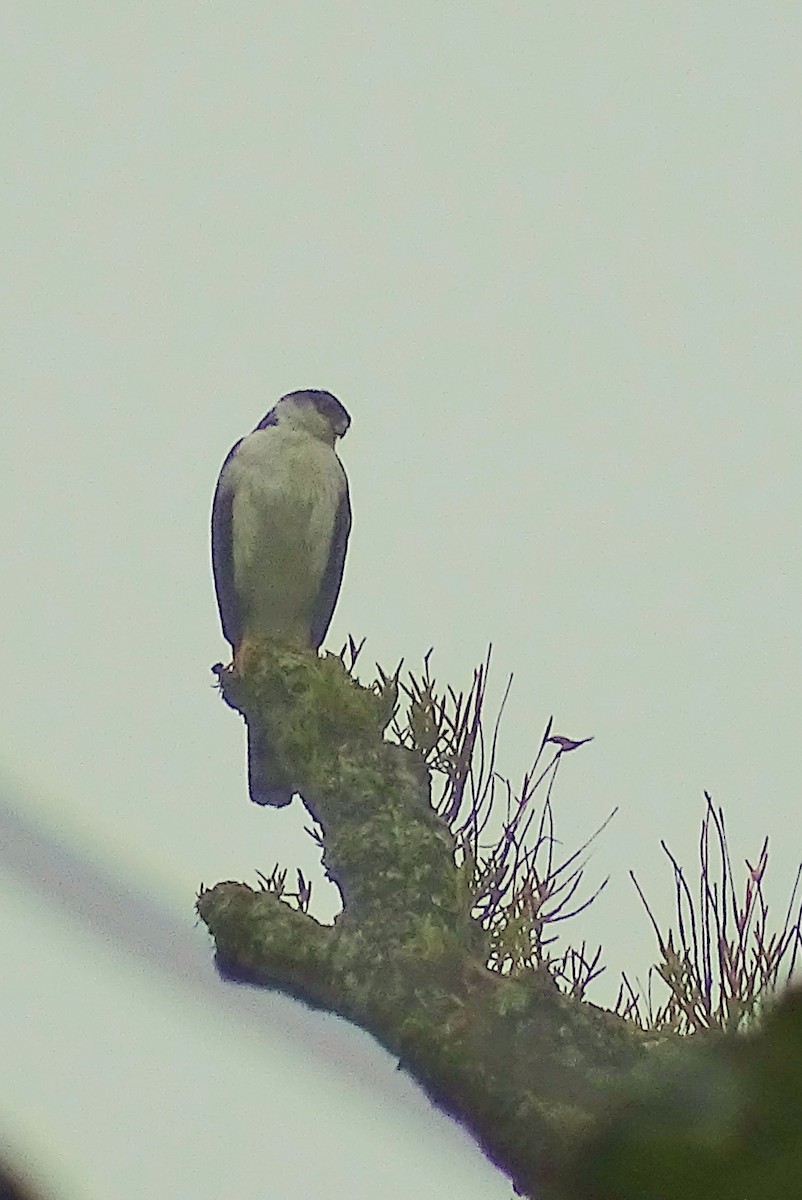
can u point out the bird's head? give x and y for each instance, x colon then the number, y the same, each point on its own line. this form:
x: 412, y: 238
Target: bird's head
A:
x: 315, y: 412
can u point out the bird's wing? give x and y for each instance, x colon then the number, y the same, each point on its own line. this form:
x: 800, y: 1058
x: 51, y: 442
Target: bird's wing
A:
x: 223, y: 555
x: 268, y: 420
x: 333, y: 575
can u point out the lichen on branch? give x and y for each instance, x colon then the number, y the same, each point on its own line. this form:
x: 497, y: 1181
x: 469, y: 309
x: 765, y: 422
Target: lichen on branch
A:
x: 521, y: 1064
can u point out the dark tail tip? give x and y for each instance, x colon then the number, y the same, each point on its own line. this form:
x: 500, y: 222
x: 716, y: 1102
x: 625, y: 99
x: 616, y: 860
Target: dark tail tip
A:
x: 260, y: 789
x: 273, y: 797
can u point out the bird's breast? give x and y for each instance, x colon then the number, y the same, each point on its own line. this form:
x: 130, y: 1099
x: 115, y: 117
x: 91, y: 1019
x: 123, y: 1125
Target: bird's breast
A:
x: 286, y: 492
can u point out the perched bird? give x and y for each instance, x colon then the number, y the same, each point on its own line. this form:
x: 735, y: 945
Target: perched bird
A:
x: 281, y: 516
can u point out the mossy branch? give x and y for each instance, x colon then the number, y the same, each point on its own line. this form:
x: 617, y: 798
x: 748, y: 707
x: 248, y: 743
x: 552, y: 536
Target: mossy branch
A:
x: 522, y: 1065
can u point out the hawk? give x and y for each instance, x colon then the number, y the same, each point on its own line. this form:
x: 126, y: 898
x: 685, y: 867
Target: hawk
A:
x: 281, y: 516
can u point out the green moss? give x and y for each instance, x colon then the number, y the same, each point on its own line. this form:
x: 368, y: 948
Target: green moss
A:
x: 511, y: 1057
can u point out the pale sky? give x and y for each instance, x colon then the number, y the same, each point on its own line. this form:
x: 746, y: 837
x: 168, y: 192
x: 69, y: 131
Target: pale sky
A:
x: 549, y: 258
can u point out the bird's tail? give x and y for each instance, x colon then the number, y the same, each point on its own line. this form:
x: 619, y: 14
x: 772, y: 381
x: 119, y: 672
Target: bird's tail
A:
x: 262, y: 785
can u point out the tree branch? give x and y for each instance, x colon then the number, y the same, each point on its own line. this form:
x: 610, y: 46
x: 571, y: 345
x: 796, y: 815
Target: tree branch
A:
x: 523, y: 1066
